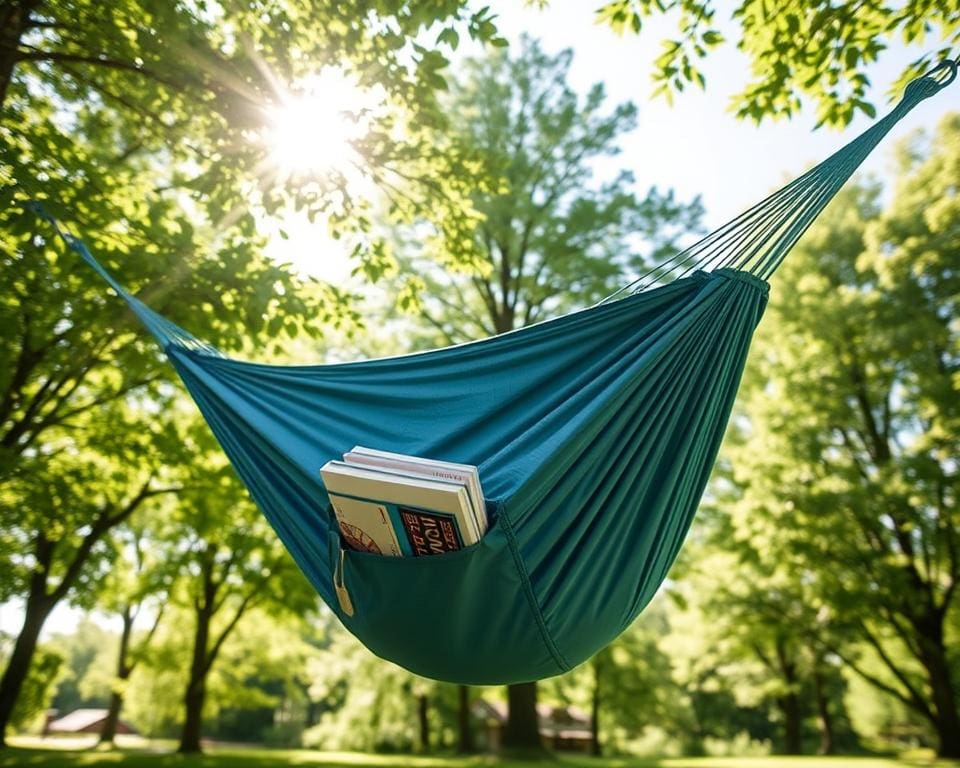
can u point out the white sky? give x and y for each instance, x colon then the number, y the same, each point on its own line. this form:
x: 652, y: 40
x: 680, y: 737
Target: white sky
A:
x: 695, y: 146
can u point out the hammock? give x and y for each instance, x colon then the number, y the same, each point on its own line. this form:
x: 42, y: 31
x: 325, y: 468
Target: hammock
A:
x: 595, y: 434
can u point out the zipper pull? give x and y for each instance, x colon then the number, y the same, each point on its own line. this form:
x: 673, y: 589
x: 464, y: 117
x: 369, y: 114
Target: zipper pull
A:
x: 343, y: 597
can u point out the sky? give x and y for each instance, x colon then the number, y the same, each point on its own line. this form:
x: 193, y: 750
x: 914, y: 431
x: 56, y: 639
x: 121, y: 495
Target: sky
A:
x: 696, y: 146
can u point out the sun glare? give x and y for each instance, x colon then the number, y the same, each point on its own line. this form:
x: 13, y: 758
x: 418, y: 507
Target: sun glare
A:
x: 312, y: 130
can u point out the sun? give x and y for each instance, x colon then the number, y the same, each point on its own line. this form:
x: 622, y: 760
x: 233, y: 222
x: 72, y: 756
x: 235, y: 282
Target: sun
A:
x: 313, y: 128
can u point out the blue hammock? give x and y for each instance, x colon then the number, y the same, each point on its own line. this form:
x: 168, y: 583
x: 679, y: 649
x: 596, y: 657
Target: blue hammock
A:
x: 595, y: 435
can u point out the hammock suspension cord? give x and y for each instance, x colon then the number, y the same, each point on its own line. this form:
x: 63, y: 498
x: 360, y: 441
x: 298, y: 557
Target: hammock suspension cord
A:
x: 759, y: 239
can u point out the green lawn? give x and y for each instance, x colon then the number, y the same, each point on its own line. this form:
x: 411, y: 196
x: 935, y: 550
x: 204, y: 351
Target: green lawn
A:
x: 46, y: 757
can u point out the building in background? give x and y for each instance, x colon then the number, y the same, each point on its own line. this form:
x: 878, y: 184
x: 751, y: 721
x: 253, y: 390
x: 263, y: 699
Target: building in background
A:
x: 81, y: 721
x: 561, y: 728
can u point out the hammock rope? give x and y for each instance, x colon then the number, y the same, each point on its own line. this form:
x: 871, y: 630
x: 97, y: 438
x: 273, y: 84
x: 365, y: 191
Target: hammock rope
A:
x: 759, y: 239
x: 595, y: 434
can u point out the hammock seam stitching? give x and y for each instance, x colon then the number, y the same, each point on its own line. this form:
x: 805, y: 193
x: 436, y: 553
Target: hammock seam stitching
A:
x: 528, y: 591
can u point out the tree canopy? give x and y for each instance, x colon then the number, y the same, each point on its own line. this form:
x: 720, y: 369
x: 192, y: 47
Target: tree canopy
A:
x: 141, y: 124
x: 800, y: 49
x: 553, y: 237
x: 848, y: 469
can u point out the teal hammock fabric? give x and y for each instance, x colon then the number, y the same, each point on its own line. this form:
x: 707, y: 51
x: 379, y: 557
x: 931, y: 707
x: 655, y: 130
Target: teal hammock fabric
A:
x: 595, y: 435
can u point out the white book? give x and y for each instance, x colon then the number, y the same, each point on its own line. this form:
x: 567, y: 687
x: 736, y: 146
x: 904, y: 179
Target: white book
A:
x: 428, y: 516
x: 465, y: 474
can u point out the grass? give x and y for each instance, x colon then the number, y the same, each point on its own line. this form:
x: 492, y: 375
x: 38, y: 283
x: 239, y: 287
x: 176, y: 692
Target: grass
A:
x: 36, y: 753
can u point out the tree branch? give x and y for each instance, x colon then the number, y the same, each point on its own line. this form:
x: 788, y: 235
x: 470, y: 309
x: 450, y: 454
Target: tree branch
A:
x: 104, y: 522
x: 37, y: 55
x: 918, y: 700
x: 246, y: 603
x: 883, y: 686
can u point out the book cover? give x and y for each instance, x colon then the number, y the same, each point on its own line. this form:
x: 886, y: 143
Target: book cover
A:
x: 366, y: 526
x: 429, y: 533
x: 464, y: 474
x: 391, y: 514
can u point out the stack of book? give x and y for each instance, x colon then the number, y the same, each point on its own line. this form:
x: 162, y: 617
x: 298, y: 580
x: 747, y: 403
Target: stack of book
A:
x: 407, y: 506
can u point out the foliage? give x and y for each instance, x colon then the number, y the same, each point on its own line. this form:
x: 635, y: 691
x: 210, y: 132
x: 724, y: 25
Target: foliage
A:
x: 552, y: 238
x: 258, y: 672
x: 631, y: 683
x: 370, y: 704
x: 231, y: 562
x: 187, y: 88
x: 37, y: 689
x: 848, y: 471
x: 88, y: 654
x: 802, y: 48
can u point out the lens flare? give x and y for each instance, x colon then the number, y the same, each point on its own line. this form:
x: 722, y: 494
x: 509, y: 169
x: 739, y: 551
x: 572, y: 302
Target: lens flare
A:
x: 312, y: 129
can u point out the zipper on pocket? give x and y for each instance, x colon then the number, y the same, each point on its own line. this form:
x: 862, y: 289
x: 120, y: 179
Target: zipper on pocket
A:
x: 343, y: 596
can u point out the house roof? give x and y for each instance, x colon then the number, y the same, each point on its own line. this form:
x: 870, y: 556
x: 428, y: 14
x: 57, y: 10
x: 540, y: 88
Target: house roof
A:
x: 566, y: 722
x: 77, y: 720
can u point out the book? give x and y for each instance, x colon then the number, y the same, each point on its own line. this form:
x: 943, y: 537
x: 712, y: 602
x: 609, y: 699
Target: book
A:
x: 365, y: 527
x: 391, y: 514
x: 465, y: 474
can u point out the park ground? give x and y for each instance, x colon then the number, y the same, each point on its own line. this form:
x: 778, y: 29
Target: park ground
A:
x: 37, y: 754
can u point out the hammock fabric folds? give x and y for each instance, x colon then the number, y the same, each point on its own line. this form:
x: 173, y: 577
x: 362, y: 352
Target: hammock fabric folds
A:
x: 595, y: 435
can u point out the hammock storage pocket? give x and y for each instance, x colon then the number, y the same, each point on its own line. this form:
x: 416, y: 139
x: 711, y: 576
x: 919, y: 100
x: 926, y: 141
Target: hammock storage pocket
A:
x: 426, y: 612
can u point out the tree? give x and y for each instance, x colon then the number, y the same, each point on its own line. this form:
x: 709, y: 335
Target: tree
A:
x: 139, y: 583
x: 521, y: 732
x: 551, y: 239
x: 465, y: 743
x: 724, y: 690
x: 423, y: 720
x: 764, y: 623
x: 84, y: 680
x: 366, y: 703
x: 232, y: 562
x: 117, y: 116
x: 58, y: 508
x: 849, y: 467
x: 37, y: 689
x: 803, y: 48
x: 85, y: 441
x: 626, y: 686
x: 191, y: 86
x: 765, y: 617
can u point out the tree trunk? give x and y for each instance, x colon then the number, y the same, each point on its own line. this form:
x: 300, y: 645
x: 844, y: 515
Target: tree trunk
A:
x: 595, y: 712
x: 38, y: 608
x: 196, y: 687
x: 789, y: 703
x: 522, y: 730
x: 933, y: 656
x: 423, y: 716
x: 823, y: 713
x: 790, y: 710
x: 949, y: 742
x: 14, y: 20
x: 465, y: 744
x: 109, y: 731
